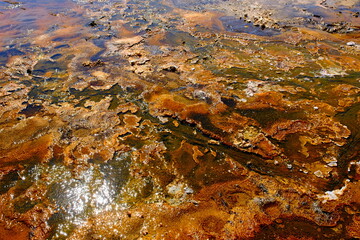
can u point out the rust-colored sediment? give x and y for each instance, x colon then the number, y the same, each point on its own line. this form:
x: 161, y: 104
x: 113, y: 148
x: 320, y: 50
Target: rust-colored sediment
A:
x: 179, y: 120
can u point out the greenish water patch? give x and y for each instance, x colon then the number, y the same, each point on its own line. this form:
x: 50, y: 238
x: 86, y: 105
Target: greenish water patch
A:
x: 31, y: 110
x: 268, y: 116
x: 22, y: 185
x: 234, y: 24
x: 297, y: 228
x: 24, y: 205
x: 45, y: 66
x: 251, y: 161
x: 236, y: 72
x: 8, y: 181
x: 178, y: 38
x: 5, y: 55
x: 351, y: 151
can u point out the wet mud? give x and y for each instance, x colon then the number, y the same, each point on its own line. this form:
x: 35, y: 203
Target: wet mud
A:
x: 179, y: 119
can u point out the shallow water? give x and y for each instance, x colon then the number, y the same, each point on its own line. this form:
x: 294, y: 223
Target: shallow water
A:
x: 179, y: 119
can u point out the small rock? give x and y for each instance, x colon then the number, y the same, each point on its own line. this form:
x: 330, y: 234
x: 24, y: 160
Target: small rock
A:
x: 319, y: 174
x: 213, y: 142
x: 188, y: 190
x: 332, y: 164
x: 100, y: 75
x: 351, y: 43
x: 176, y: 123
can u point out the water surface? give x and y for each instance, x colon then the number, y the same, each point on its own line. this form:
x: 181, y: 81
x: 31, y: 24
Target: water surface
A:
x: 179, y: 119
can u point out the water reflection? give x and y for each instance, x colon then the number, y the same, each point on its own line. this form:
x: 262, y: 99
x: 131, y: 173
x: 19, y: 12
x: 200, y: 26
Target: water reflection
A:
x: 76, y: 195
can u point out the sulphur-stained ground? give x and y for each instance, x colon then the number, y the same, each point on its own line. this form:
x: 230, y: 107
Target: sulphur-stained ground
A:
x: 179, y: 119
